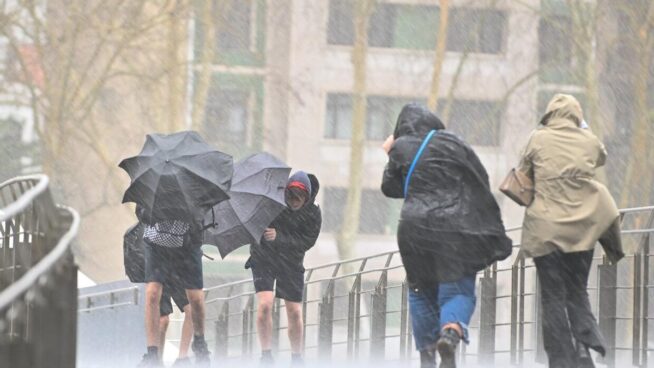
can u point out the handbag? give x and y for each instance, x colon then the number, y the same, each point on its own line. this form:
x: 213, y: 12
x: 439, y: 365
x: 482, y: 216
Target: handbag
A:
x: 415, y: 160
x: 519, y: 187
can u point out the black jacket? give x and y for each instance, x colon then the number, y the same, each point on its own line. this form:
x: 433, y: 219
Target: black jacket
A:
x: 450, y: 224
x: 297, y: 232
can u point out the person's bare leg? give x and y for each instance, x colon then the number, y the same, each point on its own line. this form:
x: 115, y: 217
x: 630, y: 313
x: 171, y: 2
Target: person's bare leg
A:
x: 152, y: 298
x: 187, y: 332
x: 264, y: 319
x: 164, y: 321
x: 196, y: 300
x: 295, y: 325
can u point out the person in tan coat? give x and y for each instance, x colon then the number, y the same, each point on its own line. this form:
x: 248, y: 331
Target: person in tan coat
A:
x: 571, y: 211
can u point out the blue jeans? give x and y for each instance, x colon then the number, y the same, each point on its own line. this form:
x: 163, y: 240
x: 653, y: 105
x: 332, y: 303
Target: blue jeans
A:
x: 432, y: 309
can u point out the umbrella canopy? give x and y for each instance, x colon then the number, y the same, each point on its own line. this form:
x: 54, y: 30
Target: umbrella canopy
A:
x: 256, y: 199
x: 177, y: 177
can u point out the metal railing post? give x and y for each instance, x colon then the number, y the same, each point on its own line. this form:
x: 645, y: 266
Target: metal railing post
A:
x: 404, y: 321
x: 248, y: 322
x: 326, y: 324
x: 487, y: 317
x: 515, y: 270
x: 353, y: 313
x: 607, y: 281
x: 275, y: 325
x: 304, y: 309
x: 221, y: 348
x: 644, y: 349
x: 636, y: 342
x: 378, y: 320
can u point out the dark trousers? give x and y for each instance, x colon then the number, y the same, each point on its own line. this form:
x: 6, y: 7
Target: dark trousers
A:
x: 567, y: 316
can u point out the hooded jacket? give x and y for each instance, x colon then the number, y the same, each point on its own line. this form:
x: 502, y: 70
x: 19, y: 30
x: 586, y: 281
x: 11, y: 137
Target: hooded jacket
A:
x: 450, y: 225
x: 297, y: 232
x: 571, y: 210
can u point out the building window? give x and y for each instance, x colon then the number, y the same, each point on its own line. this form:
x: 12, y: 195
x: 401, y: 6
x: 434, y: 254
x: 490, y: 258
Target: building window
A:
x: 226, y: 118
x: 408, y: 26
x: 555, y: 51
x: 339, y: 116
x: 477, y: 122
x: 237, y: 25
x: 404, y: 26
x: 476, y: 30
x: 375, y: 211
x: 340, y: 28
x: 390, y: 25
x: 381, y: 115
x: 21, y: 156
x: 234, y: 26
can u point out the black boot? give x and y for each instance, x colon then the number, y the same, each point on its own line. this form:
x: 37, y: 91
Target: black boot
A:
x: 584, y: 359
x: 151, y: 358
x: 201, y: 351
x: 446, y: 347
x: 427, y: 359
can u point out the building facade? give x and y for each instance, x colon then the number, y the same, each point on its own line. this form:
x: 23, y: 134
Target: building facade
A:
x: 290, y: 90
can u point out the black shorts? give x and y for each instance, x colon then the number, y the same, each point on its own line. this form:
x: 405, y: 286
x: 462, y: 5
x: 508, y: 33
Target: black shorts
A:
x: 178, y: 295
x: 287, y: 282
x: 179, y: 267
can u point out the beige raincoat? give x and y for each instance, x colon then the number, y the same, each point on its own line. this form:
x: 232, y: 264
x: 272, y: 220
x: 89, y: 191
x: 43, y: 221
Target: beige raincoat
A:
x: 571, y: 210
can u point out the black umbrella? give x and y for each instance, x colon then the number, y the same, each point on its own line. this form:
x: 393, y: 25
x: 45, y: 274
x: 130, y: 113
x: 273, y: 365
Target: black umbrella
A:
x: 256, y: 198
x: 177, y: 177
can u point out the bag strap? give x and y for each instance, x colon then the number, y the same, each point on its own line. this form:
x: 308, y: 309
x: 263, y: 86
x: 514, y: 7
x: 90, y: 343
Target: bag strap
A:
x: 415, y: 160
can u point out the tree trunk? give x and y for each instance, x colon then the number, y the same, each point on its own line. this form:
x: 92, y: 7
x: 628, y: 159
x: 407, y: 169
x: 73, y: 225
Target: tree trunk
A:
x: 175, y: 70
x: 350, y: 225
x: 637, y: 187
x: 441, y: 43
x: 207, y: 55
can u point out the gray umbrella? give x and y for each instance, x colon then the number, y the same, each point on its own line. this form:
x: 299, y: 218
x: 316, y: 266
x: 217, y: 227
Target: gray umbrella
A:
x: 256, y: 198
x: 177, y: 177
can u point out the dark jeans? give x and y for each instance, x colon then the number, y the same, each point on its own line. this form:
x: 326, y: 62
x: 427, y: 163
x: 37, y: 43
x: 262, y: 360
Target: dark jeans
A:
x: 565, y: 306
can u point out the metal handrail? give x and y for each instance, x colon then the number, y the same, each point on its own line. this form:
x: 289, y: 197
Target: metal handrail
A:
x: 332, y: 272
x: 27, y: 198
x: 310, y: 270
x: 38, y: 276
x: 20, y: 287
x: 231, y: 307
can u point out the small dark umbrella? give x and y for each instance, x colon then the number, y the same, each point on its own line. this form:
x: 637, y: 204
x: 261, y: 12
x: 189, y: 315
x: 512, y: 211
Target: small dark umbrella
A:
x: 177, y: 177
x: 256, y: 198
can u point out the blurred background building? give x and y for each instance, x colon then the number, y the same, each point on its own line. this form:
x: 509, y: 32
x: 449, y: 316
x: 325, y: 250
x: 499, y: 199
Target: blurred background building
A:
x: 279, y: 75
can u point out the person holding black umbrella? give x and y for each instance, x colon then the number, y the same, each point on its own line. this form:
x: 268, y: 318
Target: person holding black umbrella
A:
x: 175, y: 180
x: 277, y: 262
x: 176, y: 266
x: 134, y: 247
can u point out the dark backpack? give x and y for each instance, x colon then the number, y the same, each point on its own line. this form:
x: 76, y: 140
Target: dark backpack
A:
x: 133, y: 253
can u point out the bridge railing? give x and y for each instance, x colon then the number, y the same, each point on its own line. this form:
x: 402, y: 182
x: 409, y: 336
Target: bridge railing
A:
x: 357, y: 310
x: 38, y: 276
